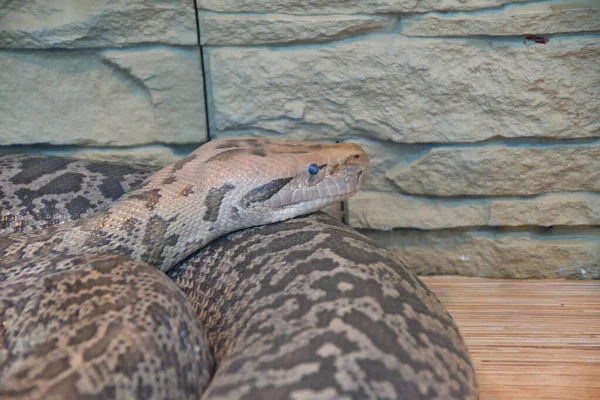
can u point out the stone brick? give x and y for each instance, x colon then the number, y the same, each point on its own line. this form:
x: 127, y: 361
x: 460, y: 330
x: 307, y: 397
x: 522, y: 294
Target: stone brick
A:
x: 501, y: 171
x: 40, y: 24
x: 385, y: 211
x: 536, y: 18
x: 489, y: 255
x: 228, y: 29
x: 410, y: 90
x: 347, y: 6
x: 102, y: 98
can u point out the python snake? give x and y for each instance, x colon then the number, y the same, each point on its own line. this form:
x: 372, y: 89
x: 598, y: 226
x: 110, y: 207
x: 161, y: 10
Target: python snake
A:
x: 305, y: 308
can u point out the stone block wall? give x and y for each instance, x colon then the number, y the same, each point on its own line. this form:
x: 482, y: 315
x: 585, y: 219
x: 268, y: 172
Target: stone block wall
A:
x: 482, y: 118
x: 103, y: 79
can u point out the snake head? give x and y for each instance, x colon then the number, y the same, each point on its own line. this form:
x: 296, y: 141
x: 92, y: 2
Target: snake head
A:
x: 272, y: 180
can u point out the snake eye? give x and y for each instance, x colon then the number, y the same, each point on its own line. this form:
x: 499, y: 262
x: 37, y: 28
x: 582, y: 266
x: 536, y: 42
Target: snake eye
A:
x: 313, y: 169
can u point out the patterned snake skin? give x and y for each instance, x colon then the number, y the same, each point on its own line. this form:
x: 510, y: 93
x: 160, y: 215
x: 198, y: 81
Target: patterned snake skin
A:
x: 305, y: 308
x: 45, y: 191
x: 310, y: 309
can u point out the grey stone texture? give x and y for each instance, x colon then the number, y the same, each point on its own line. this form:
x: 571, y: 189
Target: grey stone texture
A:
x: 371, y: 210
x: 410, y: 90
x: 102, y: 98
x: 521, y: 255
x: 501, y: 171
x: 535, y: 18
x: 234, y: 29
x: 347, y: 6
x: 42, y: 24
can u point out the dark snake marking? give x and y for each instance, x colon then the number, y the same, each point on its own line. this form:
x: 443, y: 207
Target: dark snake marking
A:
x: 69, y: 182
x: 98, y: 239
x: 227, y: 146
x: 48, y: 213
x: 169, y: 180
x: 186, y: 191
x: 236, y: 143
x: 34, y: 168
x: 151, y: 198
x: 213, y: 201
x: 113, y: 174
x: 226, y: 155
x: 234, y: 146
x: 292, y: 148
x: 315, y: 146
x: 111, y: 188
x: 266, y: 191
x: 180, y: 163
x: 78, y: 206
x: 230, y: 144
x: 156, y: 240
x: 258, y: 153
x: 130, y: 224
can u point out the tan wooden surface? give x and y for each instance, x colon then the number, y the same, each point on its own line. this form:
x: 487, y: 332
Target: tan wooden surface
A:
x: 537, y: 339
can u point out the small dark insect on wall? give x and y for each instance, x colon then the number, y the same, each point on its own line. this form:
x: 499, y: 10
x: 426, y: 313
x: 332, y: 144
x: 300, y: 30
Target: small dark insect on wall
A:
x: 536, y: 39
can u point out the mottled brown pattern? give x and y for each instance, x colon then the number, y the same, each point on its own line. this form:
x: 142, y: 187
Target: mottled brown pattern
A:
x: 258, y: 153
x: 213, y: 201
x: 22, y: 175
x: 109, y: 328
x: 129, y: 225
x: 229, y: 144
x: 156, y: 239
x: 313, y: 292
x: 177, y: 165
x: 186, y: 191
x: 227, y: 155
x: 150, y: 198
x: 266, y: 191
x: 169, y: 180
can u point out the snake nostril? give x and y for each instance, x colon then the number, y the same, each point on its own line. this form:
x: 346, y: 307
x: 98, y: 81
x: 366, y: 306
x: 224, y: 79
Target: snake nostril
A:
x: 356, y: 156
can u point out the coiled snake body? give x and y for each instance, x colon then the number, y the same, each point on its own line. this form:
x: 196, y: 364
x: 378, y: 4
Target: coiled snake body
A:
x: 306, y: 308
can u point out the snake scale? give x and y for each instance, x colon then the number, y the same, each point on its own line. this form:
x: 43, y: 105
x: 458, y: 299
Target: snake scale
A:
x: 305, y: 308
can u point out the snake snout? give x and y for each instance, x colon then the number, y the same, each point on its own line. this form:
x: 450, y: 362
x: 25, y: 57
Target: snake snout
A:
x: 357, y: 163
x: 354, y: 168
x: 356, y: 159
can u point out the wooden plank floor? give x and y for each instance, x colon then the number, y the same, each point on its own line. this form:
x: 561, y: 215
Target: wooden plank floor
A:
x: 537, y: 339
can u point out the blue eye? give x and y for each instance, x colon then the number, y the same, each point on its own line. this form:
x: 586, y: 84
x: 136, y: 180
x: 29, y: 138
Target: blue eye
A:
x: 313, y: 169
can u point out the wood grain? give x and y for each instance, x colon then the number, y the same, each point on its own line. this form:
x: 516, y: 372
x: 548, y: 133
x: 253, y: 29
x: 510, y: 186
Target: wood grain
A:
x: 537, y: 339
